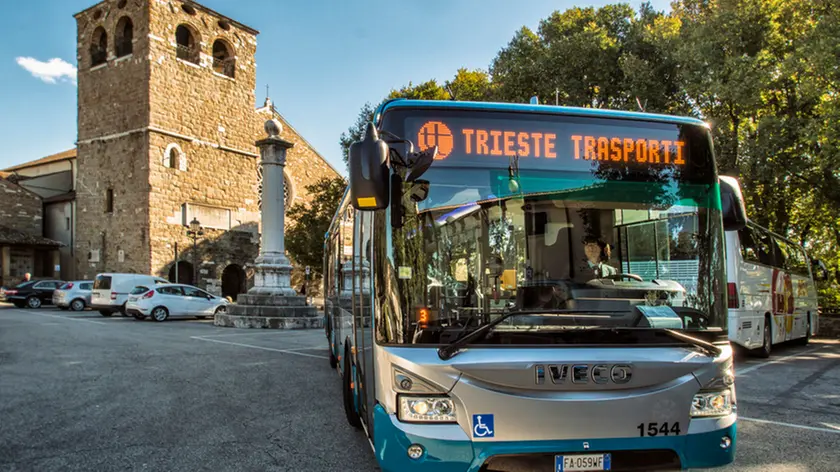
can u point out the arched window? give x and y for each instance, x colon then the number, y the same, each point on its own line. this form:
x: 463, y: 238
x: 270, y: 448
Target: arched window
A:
x: 124, y: 36
x: 174, y: 157
x: 223, y: 60
x: 99, y: 47
x: 187, y: 44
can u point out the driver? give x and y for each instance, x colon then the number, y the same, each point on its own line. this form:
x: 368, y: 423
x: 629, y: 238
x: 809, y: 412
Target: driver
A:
x: 597, y: 251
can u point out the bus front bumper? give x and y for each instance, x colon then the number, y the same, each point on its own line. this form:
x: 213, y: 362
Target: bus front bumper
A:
x: 448, y: 449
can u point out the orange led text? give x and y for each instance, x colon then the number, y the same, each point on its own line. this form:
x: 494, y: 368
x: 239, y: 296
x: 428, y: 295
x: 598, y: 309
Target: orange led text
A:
x: 488, y: 142
x: 645, y: 151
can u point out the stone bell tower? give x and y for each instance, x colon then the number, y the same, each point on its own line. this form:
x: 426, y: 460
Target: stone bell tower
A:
x: 165, y: 135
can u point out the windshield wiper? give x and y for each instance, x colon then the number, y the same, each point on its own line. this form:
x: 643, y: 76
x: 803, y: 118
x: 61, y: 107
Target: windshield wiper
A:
x: 707, y: 347
x: 449, y: 351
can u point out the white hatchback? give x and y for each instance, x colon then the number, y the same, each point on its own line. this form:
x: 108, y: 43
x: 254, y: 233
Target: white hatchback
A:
x: 162, y: 302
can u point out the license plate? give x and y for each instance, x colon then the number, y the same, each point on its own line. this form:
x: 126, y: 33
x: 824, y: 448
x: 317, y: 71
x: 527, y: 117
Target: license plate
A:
x: 95, y: 295
x: 132, y: 299
x: 582, y: 462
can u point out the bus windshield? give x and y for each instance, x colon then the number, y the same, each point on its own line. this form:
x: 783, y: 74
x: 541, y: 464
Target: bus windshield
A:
x: 568, y: 223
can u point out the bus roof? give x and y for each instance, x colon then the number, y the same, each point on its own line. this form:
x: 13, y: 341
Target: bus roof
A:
x: 528, y: 108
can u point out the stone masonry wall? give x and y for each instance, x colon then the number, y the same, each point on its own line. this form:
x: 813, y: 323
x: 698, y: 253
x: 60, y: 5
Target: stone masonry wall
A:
x: 113, y: 97
x: 20, y: 209
x: 112, y: 150
x: 119, y: 164
x: 215, y: 178
x: 192, y: 99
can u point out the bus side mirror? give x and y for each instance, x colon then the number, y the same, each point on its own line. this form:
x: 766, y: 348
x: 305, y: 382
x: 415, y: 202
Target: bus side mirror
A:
x: 369, y: 179
x: 733, y: 210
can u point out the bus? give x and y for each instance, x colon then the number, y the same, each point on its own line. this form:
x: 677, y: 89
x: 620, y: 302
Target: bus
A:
x: 772, y: 296
x: 506, y: 288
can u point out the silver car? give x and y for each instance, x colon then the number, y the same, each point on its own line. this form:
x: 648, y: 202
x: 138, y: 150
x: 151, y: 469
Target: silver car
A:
x: 73, y: 295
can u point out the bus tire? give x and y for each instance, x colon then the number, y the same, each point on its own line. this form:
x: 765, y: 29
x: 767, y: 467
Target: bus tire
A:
x: 767, y: 339
x: 333, y: 360
x: 349, y: 405
x: 803, y: 341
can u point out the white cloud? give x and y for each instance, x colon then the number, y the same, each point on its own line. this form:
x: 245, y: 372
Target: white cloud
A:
x: 53, y: 71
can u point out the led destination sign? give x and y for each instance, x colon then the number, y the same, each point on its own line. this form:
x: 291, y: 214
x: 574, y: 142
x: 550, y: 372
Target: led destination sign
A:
x: 542, y: 144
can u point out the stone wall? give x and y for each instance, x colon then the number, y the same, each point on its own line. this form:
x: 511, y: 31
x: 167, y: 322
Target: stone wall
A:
x: 192, y: 99
x: 121, y: 165
x: 112, y: 97
x: 20, y: 209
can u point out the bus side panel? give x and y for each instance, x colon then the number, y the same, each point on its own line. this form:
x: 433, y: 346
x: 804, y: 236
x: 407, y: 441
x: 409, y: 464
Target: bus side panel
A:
x: 745, y: 322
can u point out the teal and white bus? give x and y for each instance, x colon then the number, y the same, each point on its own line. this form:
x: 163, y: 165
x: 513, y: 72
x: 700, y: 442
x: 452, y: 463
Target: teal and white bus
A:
x: 506, y: 289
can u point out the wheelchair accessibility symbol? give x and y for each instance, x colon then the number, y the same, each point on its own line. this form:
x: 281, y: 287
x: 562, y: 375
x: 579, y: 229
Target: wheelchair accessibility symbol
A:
x: 483, y: 426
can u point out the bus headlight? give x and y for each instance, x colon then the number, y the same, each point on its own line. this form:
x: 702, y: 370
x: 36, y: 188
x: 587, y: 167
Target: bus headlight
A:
x: 426, y: 409
x: 712, y: 403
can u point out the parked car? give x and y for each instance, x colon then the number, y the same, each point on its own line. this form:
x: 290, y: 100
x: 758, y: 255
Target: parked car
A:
x: 110, y: 291
x: 73, y: 295
x: 33, y: 294
x: 173, y: 300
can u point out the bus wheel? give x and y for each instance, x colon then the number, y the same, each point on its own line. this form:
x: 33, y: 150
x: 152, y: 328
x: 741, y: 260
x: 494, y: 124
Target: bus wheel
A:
x: 803, y: 341
x: 333, y: 360
x: 767, y: 344
x: 349, y: 404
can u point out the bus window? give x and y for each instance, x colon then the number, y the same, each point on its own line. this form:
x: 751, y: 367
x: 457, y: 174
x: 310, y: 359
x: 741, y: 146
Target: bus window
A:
x: 749, y: 252
x: 795, y: 261
x: 764, y: 243
x: 782, y: 253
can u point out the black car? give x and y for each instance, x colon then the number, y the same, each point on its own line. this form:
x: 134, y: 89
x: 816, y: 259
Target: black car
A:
x: 33, y: 294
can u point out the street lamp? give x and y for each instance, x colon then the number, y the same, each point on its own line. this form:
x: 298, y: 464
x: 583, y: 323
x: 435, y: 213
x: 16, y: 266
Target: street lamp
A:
x: 194, y: 232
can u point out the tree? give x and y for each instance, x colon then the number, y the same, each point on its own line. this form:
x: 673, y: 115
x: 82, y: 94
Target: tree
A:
x: 355, y: 132
x: 305, y: 238
x: 470, y: 85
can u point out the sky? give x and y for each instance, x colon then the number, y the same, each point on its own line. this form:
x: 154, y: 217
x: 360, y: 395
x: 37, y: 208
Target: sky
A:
x: 323, y: 59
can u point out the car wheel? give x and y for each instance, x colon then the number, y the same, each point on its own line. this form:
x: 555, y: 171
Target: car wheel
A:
x: 347, y: 392
x: 77, y: 305
x: 160, y: 314
x: 767, y: 342
x: 105, y: 313
x: 222, y: 310
x: 33, y: 302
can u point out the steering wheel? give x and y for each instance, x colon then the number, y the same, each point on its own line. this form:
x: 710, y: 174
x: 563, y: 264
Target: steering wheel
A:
x: 625, y: 276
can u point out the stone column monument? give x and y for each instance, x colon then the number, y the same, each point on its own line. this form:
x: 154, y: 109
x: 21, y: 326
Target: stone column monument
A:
x: 272, y: 302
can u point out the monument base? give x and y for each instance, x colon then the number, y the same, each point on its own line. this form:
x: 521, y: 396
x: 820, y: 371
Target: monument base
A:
x: 270, y: 311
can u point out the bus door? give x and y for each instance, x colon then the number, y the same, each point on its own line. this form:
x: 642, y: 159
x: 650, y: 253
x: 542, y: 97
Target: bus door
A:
x: 363, y: 317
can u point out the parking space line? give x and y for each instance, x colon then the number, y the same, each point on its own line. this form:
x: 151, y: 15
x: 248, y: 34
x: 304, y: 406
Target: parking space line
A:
x: 284, y: 351
x: 245, y: 334
x: 776, y: 361
x: 791, y: 425
x: 61, y: 317
x: 307, y: 348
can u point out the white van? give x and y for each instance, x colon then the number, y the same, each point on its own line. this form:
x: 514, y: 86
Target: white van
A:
x: 110, y: 291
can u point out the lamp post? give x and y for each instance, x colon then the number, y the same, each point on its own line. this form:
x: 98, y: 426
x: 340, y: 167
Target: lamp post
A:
x: 194, y: 232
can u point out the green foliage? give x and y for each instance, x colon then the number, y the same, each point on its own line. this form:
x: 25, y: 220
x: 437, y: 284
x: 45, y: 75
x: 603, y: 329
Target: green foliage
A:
x: 305, y: 238
x: 762, y: 73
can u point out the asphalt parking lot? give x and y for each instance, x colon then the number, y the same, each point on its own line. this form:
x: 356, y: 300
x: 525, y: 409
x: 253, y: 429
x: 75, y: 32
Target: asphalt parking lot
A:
x: 83, y: 392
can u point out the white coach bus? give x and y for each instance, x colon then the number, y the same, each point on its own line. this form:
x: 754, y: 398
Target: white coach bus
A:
x: 772, y: 296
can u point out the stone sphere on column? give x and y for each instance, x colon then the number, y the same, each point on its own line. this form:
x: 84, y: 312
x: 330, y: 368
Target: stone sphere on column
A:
x: 273, y: 128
